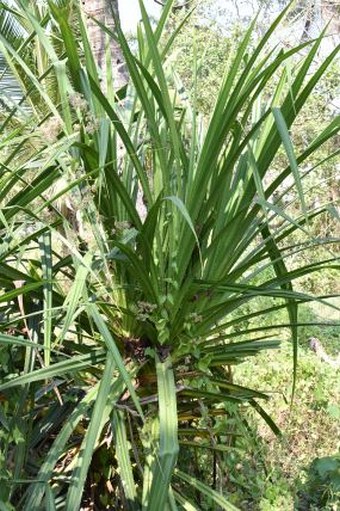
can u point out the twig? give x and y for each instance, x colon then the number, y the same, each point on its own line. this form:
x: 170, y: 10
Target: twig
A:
x: 176, y: 7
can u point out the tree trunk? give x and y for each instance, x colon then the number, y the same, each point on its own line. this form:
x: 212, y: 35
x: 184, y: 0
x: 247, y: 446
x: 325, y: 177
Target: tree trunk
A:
x: 107, y: 13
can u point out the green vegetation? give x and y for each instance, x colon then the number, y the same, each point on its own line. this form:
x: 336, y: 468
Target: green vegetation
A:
x: 146, y: 251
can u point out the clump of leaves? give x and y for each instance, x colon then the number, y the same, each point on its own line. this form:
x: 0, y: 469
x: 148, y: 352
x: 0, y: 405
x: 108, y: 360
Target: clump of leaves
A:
x: 128, y: 341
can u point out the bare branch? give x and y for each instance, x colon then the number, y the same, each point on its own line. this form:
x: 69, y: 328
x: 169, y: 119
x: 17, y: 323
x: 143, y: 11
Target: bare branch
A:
x: 176, y: 7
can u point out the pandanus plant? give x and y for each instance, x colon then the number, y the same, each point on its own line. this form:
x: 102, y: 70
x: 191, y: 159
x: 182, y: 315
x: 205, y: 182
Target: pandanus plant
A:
x: 124, y: 308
